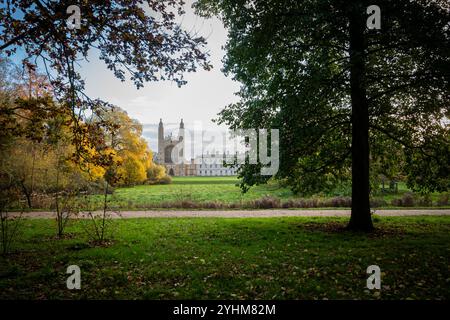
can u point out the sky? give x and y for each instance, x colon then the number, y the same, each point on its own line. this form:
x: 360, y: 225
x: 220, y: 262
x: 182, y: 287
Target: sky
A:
x: 205, y: 94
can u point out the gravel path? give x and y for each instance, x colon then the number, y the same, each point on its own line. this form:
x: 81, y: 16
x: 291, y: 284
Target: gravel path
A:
x: 251, y: 213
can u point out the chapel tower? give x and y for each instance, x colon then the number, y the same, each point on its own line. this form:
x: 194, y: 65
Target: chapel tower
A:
x: 161, y: 142
x: 181, y: 140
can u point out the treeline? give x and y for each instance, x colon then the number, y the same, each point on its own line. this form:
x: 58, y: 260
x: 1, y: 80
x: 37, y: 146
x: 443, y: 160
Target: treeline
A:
x: 46, y: 150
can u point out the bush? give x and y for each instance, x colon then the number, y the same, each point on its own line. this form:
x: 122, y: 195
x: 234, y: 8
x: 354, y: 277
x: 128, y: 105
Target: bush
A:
x: 235, y: 205
x: 164, y: 180
x: 408, y: 200
x: 267, y: 202
x: 212, y: 205
x: 443, y: 199
x: 338, y: 202
x: 426, y: 201
x: 43, y: 201
x: 10, y: 225
x: 377, y: 202
x: 396, y: 202
x: 288, y: 204
x: 188, y: 204
x: 306, y: 203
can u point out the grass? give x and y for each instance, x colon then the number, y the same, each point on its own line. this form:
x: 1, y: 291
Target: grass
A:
x: 200, y: 189
x: 197, y: 190
x: 219, y: 258
x: 223, y: 193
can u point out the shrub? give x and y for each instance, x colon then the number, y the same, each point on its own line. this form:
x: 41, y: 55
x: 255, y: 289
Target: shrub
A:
x: 164, y: 180
x: 267, y: 202
x: 288, y: 204
x: 43, y: 201
x: 10, y: 225
x: 212, y: 205
x: 341, y: 202
x: 426, y: 201
x: 96, y: 187
x: 312, y: 203
x: 408, y: 200
x: 396, y: 202
x: 10, y: 230
x: 234, y: 205
x: 377, y: 202
x: 188, y: 204
x: 98, y: 226
x: 443, y: 199
x: 303, y: 203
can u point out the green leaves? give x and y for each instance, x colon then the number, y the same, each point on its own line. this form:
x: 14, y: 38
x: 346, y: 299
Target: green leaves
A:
x: 292, y: 59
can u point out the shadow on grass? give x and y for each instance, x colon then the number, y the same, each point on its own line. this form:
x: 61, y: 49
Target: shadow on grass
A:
x: 380, y: 231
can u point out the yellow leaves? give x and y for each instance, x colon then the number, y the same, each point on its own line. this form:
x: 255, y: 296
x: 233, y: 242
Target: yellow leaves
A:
x: 95, y: 172
x: 129, y: 151
x: 156, y: 172
x: 115, y: 157
x: 132, y: 170
x: 86, y: 167
x: 115, y: 151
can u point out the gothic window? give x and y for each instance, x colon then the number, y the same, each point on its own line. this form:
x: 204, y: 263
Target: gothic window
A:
x: 168, y: 154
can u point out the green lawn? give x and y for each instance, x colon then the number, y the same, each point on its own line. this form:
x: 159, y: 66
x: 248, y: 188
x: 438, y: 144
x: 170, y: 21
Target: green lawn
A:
x: 195, y: 189
x: 209, y: 258
x: 223, y: 193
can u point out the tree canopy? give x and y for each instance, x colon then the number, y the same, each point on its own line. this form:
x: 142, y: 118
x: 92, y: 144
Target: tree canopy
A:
x: 37, y: 153
x: 137, y: 39
x: 341, y: 94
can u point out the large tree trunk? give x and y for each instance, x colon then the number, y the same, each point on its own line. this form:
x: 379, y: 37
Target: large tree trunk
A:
x: 360, y: 219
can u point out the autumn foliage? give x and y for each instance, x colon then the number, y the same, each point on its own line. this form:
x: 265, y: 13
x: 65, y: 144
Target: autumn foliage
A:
x: 40, y: 145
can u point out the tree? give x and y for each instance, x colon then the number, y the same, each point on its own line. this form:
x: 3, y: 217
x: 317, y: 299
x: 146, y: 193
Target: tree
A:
x: 139, y: 39
x: 130, y: 152
x: 387, y: 164
x: 157, y: 174
x: 9, y: 225
x: 314, y: 70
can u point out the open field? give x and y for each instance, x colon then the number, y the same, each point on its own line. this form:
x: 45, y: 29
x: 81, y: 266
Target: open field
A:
x: 196, y: 190
x: 217, y: 258
x: 223, y: 193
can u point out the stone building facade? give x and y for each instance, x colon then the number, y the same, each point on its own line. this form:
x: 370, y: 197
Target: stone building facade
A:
x: 171, y: 156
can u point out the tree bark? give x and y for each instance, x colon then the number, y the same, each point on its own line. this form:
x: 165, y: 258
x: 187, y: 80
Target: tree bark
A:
x: 27, y: 194
x: 360, y: 219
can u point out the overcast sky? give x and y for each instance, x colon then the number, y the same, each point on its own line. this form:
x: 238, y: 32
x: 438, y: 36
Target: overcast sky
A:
x: 205, y: 94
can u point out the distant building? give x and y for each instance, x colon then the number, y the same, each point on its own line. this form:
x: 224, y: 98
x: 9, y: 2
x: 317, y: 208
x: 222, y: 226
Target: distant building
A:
x: 171, y: 156
x: 212, y: 165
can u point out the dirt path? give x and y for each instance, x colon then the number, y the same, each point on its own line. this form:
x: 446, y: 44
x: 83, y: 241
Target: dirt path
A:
x: 252, y: 213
